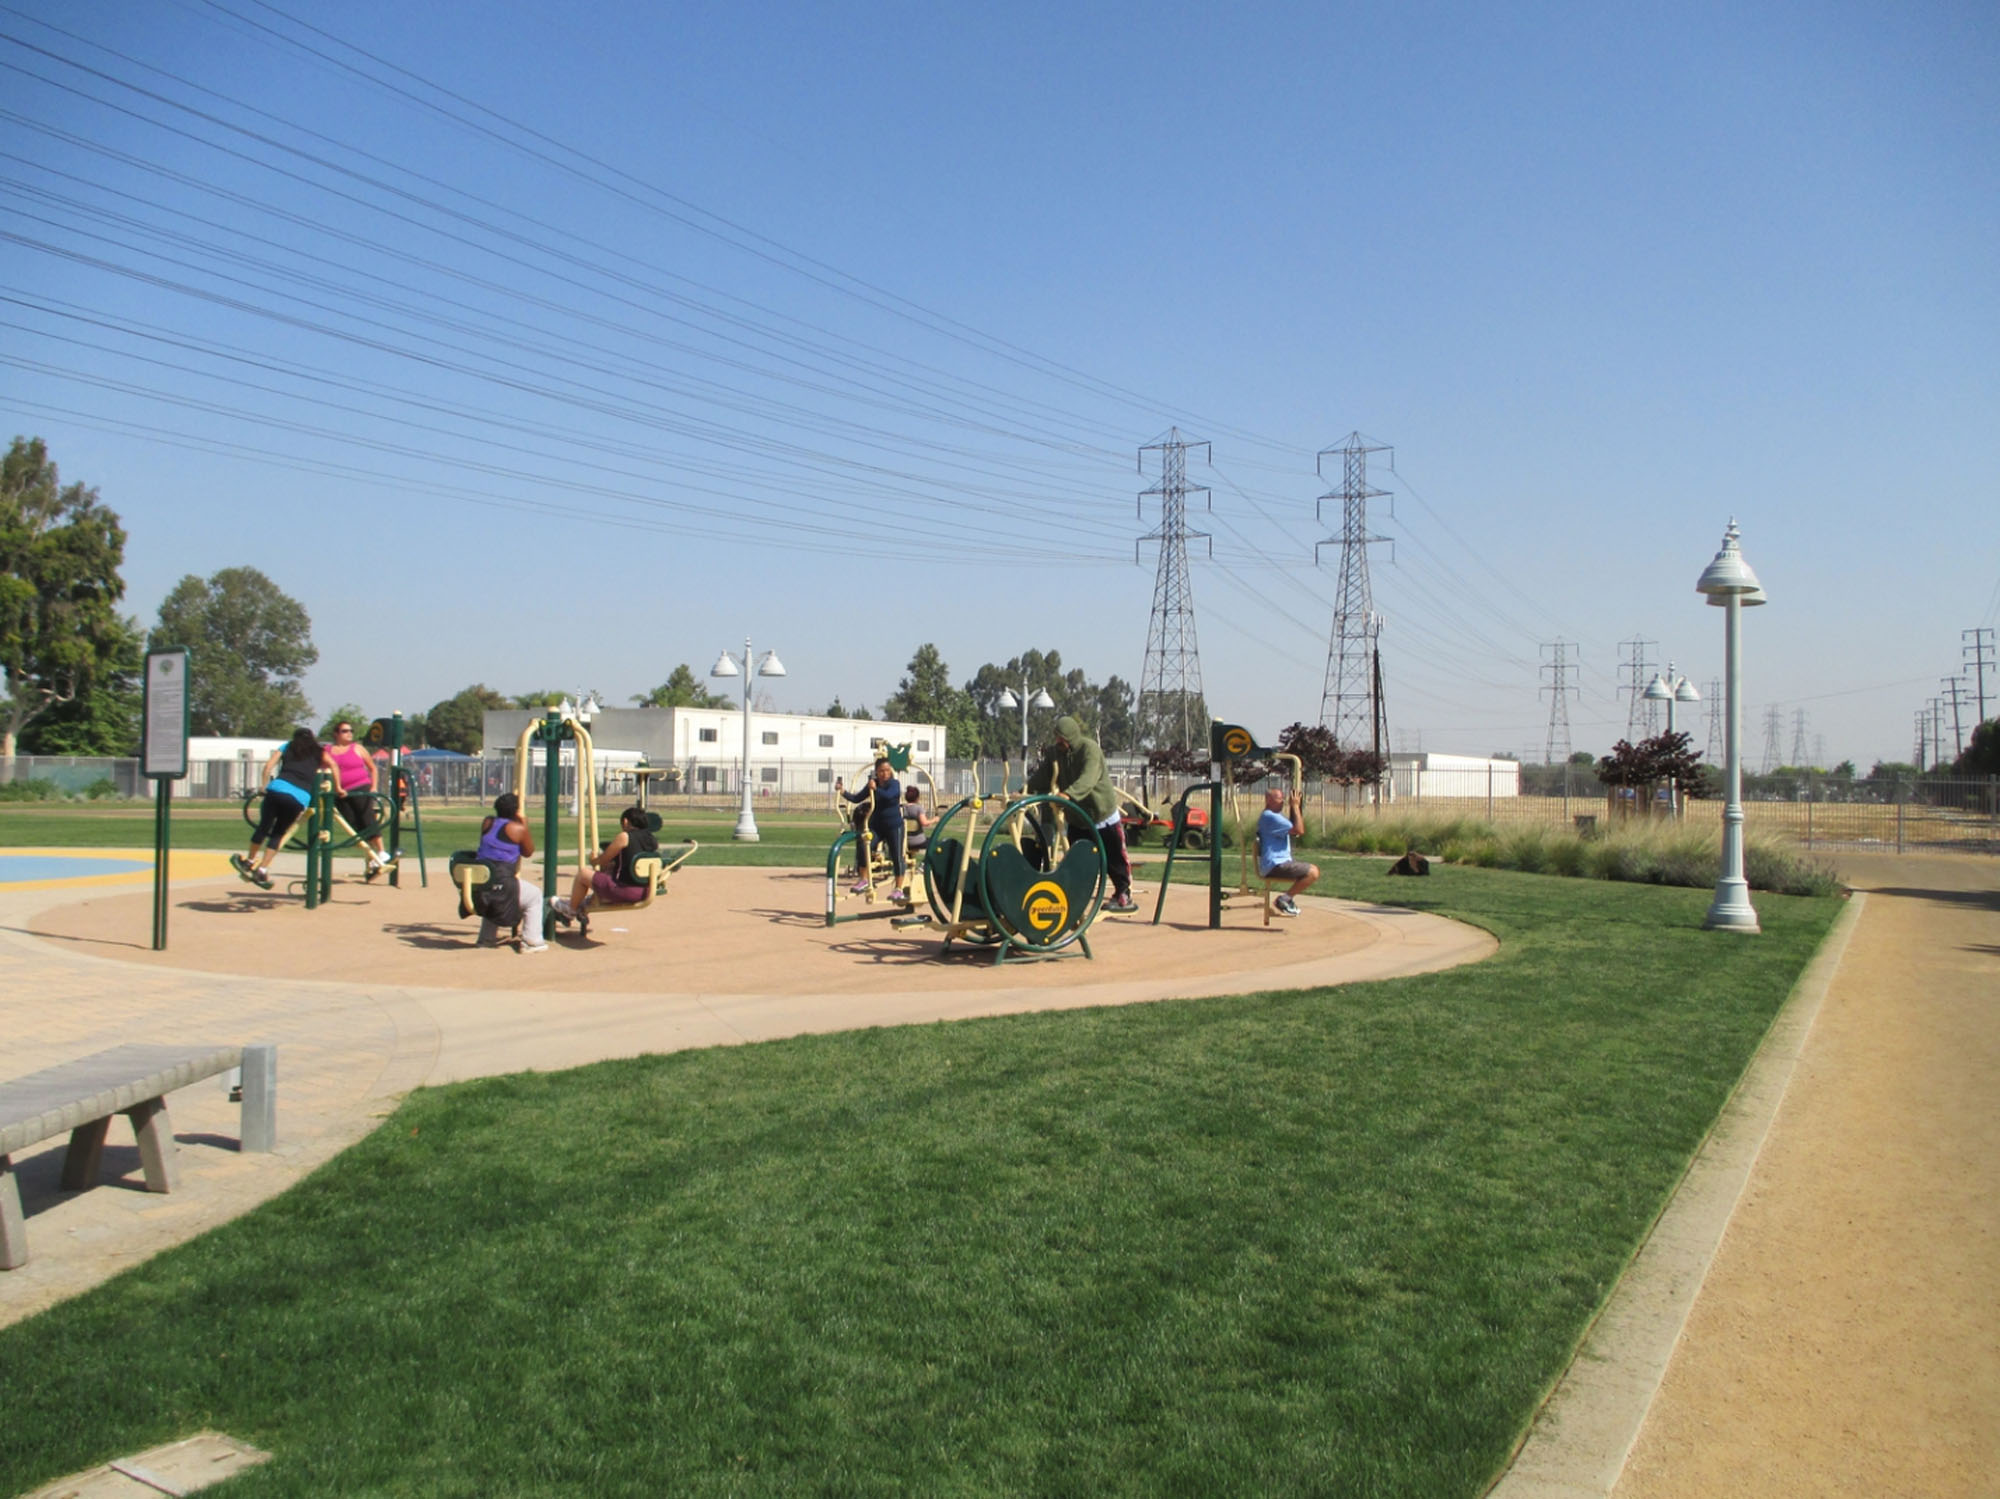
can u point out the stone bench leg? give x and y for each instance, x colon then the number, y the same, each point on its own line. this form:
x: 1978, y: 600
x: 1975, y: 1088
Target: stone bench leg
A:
x: 85, y: 1154
x: 156, y: 1144
x: 13, y: 1228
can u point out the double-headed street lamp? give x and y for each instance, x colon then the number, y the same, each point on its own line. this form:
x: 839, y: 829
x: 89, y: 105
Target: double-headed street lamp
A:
x: 1041, y: 699
x: 725, y: 666
x: 1729, y: 584
x: 1669, y: 690
x: 1666, y: 689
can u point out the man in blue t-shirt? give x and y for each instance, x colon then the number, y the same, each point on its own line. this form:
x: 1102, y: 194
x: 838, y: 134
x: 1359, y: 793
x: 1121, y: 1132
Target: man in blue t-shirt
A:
x: 1277, y: 826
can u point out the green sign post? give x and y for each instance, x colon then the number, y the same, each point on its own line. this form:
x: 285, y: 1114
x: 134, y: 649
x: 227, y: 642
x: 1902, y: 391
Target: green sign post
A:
x: 163, y: 759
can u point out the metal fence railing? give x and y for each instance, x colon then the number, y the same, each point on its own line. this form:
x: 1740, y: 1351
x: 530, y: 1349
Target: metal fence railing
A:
x: 1814, y: 810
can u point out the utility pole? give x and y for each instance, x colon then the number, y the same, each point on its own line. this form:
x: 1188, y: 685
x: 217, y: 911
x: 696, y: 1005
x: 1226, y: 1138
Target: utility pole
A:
x: 1714, y: 721
x: 1172, y: 712
x: 1937, y: 731
x: 1557, y: 751
x: 1980, y: 648
x: 1956, y: 687
x: 1774, y: 748
x: 1640, y: 720
x: 1350, y: 702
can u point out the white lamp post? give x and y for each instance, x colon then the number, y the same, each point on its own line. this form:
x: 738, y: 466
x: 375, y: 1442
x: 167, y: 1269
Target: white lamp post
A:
x: 1729, y: 584
x: 725, y: 666
x: 1041, y: 699
x: 1670, y: 690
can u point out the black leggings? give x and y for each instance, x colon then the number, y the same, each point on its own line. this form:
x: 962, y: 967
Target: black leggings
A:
x: 276, y: 818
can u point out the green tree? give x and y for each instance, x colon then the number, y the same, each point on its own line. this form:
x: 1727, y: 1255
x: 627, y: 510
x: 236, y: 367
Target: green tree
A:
x: 1663, y: 759
x: 1319, y: 755
x: 547, y: 697
x: 683, y: 690
x: 459, y: 722
x: 1109, y: 711
x: 927, y: 696
x: 60, y: 551
x: 834, y: 710
x: 250, y: 643
x: 1117, y: 717
x: 1982, y: 755
x: 104, y: 718
x: 346, y: 713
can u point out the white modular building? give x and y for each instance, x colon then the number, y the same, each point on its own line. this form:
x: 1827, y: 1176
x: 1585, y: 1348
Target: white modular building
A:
x: 789, y: 752
x: 1424, y: 775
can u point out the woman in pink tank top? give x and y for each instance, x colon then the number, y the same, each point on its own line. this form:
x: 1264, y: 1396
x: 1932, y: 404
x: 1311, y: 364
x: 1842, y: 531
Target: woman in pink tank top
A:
x: 356, y: 769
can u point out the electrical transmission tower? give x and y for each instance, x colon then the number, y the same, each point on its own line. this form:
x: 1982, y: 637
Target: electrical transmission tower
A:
x: 1172, y: 711
x: 1641, y: 719
x: 1956, y: 687
x: 1350, y: 703
x: 1799, y: 749
x: 1713, y: 753
x: 1558, y: 750
x: 1937, y: 731
x: 1923, y: 735
x: 1980, y: 648
x: 1774, y: 741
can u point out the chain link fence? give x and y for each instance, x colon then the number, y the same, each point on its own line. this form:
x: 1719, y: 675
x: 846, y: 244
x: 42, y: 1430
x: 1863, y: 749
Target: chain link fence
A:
x: 1814, y: 810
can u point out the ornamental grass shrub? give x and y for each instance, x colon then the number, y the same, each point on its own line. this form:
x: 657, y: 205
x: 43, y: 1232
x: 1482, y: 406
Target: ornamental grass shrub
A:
x: 1647, y: 853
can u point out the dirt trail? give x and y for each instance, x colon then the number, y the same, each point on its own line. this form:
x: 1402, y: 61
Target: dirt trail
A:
x: 1846, y: 1340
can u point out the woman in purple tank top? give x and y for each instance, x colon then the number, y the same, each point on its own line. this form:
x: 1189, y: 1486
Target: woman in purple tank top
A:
x: 504, y: 839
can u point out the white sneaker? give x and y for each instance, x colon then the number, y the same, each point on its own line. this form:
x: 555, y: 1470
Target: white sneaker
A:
x: 528, y: 947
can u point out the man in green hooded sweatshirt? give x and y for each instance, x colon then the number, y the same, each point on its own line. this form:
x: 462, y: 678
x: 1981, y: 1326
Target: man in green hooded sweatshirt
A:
x: 1074, y: 767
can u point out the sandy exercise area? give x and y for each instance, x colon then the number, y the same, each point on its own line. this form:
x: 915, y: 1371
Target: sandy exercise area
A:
x: 748, y: 932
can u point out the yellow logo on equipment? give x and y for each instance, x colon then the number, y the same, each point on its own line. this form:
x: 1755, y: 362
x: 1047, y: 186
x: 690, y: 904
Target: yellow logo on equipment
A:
x: 1046, y: 906
x: 1237, y: 741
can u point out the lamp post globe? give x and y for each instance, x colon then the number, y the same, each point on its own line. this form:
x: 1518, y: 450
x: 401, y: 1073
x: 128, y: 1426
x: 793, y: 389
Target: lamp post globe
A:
x: 1730, y: 585
x: 1039, y: 699
x: 725, y: 666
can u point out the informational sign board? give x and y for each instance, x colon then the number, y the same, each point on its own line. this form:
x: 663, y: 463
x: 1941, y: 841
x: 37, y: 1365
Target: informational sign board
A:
x: 164, y: 752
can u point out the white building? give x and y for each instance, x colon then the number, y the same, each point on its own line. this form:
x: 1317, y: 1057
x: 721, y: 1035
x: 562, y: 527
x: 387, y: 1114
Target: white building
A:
x: 788, y: 751
x: 1425, y: 774
x: 221, y: 767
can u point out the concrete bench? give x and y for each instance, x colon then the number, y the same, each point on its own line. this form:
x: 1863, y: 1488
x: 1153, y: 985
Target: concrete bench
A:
x: 82, y: 1096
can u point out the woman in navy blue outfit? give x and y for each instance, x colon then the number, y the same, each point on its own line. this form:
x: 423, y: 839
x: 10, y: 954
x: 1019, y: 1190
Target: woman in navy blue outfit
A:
x: 885, y: 822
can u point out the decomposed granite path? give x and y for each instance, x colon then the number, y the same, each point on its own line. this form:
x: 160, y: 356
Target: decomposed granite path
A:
x: 1846, y: 1340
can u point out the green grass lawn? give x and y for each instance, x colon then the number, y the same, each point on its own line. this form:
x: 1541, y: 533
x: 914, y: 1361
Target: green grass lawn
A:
x: 786, y: 839
x: 1337, y: 1241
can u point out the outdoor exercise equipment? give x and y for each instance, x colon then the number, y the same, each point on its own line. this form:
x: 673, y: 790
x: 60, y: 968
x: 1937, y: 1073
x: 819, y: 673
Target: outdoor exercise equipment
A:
x: 387, y: 733
x: 1028, y: 892
x: 873, y: 863
x: 1267, y: 887
x: 1227, y: 744
x: 328, y: 833
x: 550, y: 731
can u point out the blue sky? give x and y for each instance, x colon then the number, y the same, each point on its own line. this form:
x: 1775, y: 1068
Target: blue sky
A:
x: 841, y: 327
